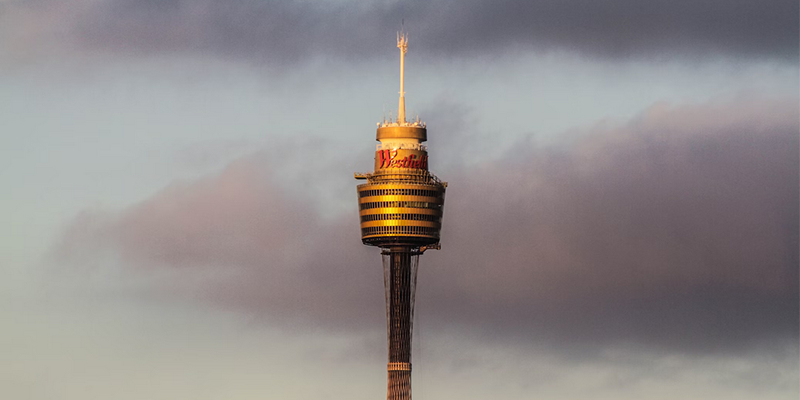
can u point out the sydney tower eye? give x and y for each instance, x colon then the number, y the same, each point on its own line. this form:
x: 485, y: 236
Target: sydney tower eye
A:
x: 400, y: 208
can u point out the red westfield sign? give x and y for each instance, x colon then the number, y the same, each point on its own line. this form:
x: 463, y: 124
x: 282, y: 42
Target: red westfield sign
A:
x: 389, y: 159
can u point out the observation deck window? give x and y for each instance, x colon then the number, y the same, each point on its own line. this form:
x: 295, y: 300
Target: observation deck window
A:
x: 399, y: 192
x: 401, y: 204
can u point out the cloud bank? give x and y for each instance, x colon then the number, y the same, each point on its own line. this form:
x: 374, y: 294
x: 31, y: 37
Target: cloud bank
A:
x: 676, y: 231
x: 285, y: 33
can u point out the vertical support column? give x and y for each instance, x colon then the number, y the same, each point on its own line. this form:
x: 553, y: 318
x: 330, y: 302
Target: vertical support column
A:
x: 400, y: 281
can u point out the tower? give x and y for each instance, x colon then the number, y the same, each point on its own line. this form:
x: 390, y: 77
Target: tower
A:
x: 400, y: 208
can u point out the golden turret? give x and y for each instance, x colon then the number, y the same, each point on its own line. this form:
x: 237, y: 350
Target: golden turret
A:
x: 402, y: 202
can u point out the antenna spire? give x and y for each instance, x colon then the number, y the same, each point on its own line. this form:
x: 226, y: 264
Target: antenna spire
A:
x: 402, y: 44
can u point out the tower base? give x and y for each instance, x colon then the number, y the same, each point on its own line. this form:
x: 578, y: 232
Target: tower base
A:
x: 399, y: 385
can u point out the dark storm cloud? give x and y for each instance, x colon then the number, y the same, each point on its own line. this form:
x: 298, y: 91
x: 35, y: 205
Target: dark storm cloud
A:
x: 285, y: 32
x: 676, y: 231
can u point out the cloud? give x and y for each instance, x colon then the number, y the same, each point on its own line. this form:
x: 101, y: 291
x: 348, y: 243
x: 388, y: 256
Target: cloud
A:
x: 239, y: 239
x: 285, y: 33
x: 678, y: 229
x: 675, y: 231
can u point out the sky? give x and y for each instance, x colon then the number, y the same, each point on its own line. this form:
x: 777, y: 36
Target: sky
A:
x: 179, y: 213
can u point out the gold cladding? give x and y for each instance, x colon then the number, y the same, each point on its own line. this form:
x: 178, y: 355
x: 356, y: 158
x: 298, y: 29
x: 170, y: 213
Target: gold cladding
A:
x: 402, y: 132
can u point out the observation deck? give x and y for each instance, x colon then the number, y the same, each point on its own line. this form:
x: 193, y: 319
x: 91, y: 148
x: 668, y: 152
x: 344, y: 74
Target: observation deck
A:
x: 401, y: 209
x: 402, y: 202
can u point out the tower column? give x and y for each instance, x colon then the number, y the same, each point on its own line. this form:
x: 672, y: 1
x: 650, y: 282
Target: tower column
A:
x: 400, y: 275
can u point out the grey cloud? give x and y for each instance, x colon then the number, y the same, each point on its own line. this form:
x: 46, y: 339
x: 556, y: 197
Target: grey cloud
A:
x: 284, y: 33
x: 676, y: 231
x: 661, y: 29
x: 679, y: 229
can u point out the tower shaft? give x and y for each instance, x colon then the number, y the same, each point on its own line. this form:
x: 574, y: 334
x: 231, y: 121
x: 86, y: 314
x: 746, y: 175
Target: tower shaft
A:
x: 400, y: 275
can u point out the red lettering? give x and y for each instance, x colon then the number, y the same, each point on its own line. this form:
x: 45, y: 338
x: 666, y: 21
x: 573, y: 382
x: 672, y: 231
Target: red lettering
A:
x: 387, y: 158
x: 384, y: 154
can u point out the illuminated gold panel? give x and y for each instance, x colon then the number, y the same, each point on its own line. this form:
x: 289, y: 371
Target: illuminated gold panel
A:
x: 394, y: 213
x: 402, y: 132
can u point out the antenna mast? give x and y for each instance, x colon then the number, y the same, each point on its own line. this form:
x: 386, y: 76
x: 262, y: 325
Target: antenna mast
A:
x: 402, y: 44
